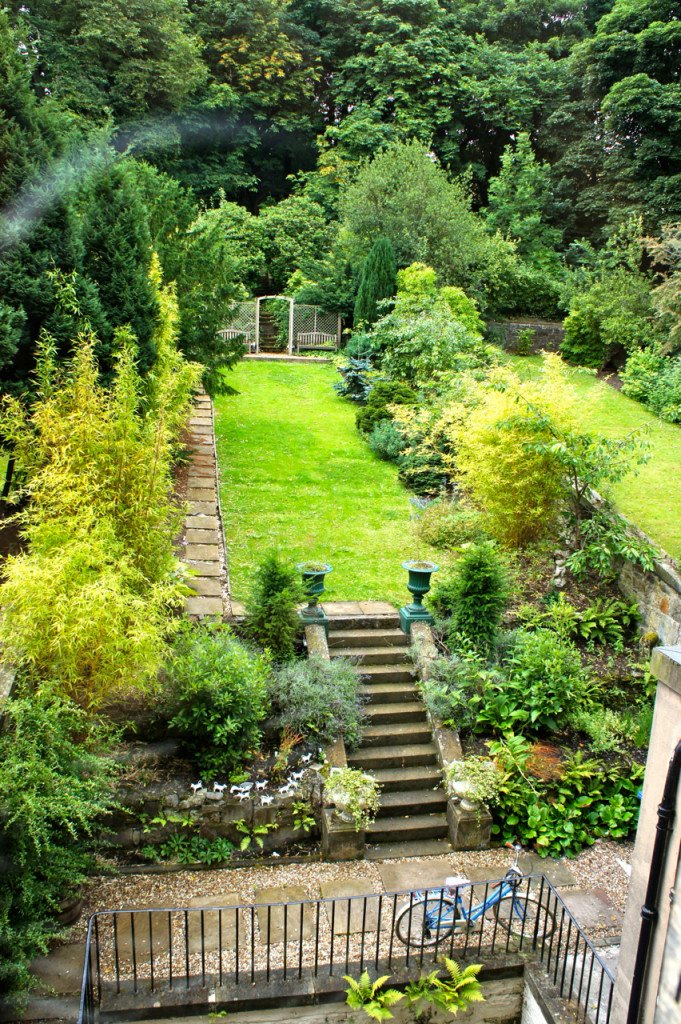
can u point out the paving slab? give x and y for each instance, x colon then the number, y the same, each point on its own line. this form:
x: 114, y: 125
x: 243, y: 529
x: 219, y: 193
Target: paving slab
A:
x: 406, y: 875
x: 217, y: 924
x: 61, y: 971
x: 150, y: 923
x: 557, y: 871
x: 592, y: 910
x: 361, y: 909
x: 205, y: 568
x: 203, y: 508
x: 201, y: 494
x: 376, y: 608
x: 342, y: 608
x: 206, y: 586
x: 202, y: 553
x: 202, y: 523
x: 203, y: 606
x: 278, y: 916
x: 193, y: 536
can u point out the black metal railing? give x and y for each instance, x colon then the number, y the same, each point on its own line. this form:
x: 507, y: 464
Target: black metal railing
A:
x: 183, y: 953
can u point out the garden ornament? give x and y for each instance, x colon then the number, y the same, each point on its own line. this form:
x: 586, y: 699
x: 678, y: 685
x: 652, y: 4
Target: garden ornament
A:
x: 261, y: 785
x: 219, y: 787
x: 196, y: 786
x: 265, y: 801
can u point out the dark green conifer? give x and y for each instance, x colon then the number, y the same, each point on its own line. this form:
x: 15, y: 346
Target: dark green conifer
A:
x: 378, y: 281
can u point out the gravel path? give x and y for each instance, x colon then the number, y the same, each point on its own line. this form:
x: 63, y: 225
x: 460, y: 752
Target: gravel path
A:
x: 596, y: 867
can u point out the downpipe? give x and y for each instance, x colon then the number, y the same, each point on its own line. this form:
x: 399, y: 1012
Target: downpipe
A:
x: 649, y: 911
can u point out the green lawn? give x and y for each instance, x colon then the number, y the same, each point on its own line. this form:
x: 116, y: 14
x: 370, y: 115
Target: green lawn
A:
x: 652, y: 498
x: 296, y: 475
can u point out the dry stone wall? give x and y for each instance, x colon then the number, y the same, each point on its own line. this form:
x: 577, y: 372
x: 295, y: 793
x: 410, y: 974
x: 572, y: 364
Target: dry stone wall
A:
x: 548, y: 334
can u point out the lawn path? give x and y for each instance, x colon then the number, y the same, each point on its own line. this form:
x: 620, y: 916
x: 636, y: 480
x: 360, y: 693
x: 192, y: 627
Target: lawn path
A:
x: 652, y: 498
x: 295, y: 474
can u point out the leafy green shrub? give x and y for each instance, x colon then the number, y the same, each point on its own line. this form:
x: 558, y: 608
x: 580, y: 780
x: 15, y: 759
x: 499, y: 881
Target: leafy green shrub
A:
x: 591, y: 799
x: 386, y: 441
x: 524, y: 342
x: 641, y: 374
x: 613, y: 316
x: 460, y: 690
x: 218, y: 690
x: 476, y: 595
x: 545, y: 677
x: 319, y: 699
x: 606, y: 729
x: 446, y: 524
x: 360, y: 346
x: 665, y: 399
x: 55, y: 785
x: 606, y: 540
x: 271, y: 612
x: 383, y: 394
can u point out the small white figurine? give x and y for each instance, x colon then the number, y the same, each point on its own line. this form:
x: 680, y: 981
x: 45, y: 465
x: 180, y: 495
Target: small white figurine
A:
x: 219, y: 787
x: 265, y: 801
x: 196, y: 786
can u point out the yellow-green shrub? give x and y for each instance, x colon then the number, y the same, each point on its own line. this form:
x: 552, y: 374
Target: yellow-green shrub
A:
x: 78, y: 612
x: 520, y: 489
x: 88, y: 603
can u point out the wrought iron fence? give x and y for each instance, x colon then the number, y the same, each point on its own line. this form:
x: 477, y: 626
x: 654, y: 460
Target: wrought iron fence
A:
x: 180, y: 955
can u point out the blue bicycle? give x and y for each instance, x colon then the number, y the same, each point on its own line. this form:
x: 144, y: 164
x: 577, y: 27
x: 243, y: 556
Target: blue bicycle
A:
x: 431, y: 918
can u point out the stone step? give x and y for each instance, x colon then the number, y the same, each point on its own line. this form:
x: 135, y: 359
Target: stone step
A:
x: 388, y: 693
x: 416, y: 826
x: 338, y: 623
x: 392, y: 757
x: 374, y: 637
x: 409, y: 848
x: 408, y: 802
x: 387, y: 673
x: 394, y: 780
x: 396, y: 711
x: 396, y: 734
x: 373, y: 655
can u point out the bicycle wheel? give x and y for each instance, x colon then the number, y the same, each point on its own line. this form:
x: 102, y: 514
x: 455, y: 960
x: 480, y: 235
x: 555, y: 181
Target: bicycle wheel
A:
x: 525, y: 918
x: 426, y: 922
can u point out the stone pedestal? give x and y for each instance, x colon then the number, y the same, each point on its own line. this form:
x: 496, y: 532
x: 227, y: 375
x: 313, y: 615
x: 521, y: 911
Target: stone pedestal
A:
x: 470, y: 828
x: 340, y: 839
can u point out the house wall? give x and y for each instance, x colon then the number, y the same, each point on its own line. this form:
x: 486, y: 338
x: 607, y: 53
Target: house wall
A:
x: 666, y: 732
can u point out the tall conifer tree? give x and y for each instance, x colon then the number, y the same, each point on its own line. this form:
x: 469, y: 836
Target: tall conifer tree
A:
x: 378, y: 281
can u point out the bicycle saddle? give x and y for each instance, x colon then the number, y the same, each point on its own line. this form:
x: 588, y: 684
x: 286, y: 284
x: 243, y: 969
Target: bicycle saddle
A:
x: 455, y: 880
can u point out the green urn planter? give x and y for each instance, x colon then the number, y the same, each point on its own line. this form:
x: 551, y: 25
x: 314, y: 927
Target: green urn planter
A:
x: 313, y: 574
x: 418, y: 585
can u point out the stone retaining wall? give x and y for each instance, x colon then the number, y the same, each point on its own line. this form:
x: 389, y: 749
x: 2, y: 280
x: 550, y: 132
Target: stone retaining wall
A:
x: 548, y: 334
x: 213, y: 814
x: 658, y: 595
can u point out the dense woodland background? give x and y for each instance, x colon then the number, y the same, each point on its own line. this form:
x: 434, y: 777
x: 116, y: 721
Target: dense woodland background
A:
x: 533, y: 145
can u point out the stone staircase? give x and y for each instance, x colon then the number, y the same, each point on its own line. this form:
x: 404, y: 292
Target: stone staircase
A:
x: 397, y: 746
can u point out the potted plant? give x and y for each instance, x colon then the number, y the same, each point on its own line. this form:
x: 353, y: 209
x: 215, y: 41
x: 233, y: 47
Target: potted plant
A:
x: 474, y: 781
x: 354, y: 794
x: 313, y: 574
x: 418, y: 585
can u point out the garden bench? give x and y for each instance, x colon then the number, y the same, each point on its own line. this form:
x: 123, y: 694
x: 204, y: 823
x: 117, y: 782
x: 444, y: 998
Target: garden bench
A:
x: 229, y: 333
x: 316, y: 340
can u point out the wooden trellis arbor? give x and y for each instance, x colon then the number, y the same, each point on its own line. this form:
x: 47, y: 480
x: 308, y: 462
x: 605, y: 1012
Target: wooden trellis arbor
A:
x: 309, y: 327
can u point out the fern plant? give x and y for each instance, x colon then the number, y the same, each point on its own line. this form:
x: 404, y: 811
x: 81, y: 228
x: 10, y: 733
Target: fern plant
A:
x: 372, y: 997
x: 451, y: 994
